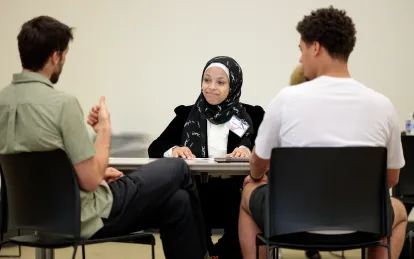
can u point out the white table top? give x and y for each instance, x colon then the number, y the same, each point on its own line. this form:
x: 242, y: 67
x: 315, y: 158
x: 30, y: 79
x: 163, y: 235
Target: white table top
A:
x: 197, y: 165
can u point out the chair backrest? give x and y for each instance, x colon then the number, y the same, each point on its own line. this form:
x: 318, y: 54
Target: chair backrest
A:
x: 405, y: 186
x: 327, y: 188
x: 42, y: 192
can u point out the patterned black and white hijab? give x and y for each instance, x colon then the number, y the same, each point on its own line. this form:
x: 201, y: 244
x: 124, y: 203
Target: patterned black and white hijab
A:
x: 195, y: 129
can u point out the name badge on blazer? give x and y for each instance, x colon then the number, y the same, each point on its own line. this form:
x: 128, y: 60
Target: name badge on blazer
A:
x: 237, y: 126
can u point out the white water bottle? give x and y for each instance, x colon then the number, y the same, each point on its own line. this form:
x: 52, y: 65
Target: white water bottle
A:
x: 409, y: 125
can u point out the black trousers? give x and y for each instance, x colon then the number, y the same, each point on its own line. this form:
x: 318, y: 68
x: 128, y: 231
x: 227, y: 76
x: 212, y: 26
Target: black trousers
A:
x: 220, y: 200
x: 162, y: 195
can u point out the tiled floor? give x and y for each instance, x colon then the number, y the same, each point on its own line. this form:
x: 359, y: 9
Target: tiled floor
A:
x: 130, y: 251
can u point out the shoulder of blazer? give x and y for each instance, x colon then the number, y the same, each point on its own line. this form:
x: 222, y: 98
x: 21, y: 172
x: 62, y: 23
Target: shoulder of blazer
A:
x: 183, y: 110
x: 254, y: 111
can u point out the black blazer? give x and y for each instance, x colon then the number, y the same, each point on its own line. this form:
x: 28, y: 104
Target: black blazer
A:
x: 172, y: 134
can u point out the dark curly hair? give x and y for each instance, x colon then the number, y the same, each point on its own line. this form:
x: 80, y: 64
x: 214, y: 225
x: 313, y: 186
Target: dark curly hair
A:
x: 332, y: 28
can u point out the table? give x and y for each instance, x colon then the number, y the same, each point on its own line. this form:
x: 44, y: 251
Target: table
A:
x: 196, y: 165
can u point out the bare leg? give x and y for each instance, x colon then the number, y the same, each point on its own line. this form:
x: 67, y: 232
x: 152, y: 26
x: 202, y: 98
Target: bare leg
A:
x: 398, y: 234
x: 247, y: 227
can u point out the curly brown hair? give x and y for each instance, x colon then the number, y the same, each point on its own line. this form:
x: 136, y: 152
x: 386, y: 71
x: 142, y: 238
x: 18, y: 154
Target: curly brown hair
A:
x: 332, y: 28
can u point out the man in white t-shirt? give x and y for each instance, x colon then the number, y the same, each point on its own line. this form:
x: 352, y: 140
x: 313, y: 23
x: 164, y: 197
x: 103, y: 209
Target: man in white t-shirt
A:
x: 330, y: 110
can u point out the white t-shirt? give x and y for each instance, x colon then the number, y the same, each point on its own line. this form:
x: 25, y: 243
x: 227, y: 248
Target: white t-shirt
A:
x: 330, y: 111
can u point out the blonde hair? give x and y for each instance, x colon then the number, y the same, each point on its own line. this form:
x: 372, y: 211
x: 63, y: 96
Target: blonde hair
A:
x: 298, y: 76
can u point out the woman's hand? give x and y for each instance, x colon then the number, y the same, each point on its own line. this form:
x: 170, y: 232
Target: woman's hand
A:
x: 239, y: 152
x: 183, y: 152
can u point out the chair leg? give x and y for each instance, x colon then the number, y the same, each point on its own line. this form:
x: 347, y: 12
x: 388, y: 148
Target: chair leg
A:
x: 83, y: 252
x: 45, y: 253
x: 20, y: 251
x: 363, y: 253
x: 389, y: 247
x: 75, y: 249
x: 10, y: 256
x: 18, y: 247
x: 342, y: 255
x: 267, y: 250
x: 276, y: 253
x: 410, y: 241
x: 153, y: 251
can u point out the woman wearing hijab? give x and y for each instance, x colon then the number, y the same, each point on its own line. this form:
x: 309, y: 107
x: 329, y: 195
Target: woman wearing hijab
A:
x: 204, y: 130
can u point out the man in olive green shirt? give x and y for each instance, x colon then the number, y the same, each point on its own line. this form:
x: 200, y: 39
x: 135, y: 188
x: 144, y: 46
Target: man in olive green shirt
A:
x: 36, y: 117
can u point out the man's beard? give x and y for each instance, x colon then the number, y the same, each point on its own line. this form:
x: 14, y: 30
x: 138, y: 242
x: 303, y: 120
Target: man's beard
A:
x: 54, y: 78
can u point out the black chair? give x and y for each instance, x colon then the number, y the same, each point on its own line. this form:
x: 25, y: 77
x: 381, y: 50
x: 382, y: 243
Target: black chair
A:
x: 410, y: 238
x: 408, y: 248
x: 404, y: 190
x: 321, y: 189
x: 405, y: 187
x: 3, y: 220
x: 43, y: 195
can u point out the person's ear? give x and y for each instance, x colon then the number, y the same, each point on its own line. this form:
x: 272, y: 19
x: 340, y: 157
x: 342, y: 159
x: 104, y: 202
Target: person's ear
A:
x: 55, y: 58
x: 316, y: 48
